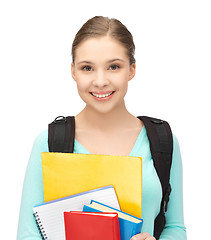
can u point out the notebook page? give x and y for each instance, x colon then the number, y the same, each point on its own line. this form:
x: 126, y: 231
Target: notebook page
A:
x: 51, y: 213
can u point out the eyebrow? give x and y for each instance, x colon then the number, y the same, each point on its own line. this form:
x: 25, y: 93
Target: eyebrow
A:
x: 110, y: 61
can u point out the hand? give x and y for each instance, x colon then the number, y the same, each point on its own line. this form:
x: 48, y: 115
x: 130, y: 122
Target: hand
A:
x: 143, y: 236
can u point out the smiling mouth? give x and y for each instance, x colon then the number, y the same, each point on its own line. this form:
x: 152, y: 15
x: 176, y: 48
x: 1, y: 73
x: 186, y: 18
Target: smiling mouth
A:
x: 102, y: 95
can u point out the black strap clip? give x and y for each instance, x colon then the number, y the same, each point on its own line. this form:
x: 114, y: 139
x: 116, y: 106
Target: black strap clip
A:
x: 60, y: 119
x: 156, y: 121
x: 166, y: 198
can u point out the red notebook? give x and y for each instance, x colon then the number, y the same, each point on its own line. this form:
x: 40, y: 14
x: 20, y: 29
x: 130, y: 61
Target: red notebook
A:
x: 91, y: 226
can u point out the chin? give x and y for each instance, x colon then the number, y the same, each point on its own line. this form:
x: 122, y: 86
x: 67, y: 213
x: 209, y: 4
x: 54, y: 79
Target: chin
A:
x: 104, y: 109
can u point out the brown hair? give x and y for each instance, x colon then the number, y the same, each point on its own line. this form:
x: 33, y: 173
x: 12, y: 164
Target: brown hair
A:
x: 99, y: 26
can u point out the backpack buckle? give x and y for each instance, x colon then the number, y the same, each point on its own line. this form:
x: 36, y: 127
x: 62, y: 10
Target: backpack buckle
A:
x: 60, y: 119
x: 156, y: 121
x: 166, y: 198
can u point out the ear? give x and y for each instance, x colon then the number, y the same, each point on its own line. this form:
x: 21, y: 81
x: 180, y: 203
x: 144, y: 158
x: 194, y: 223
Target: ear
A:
x: 132, y: 71
x: 73, y: 71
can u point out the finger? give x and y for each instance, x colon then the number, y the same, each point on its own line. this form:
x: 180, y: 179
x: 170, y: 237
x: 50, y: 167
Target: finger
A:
x: 143, y: 236
x: 150, y: 238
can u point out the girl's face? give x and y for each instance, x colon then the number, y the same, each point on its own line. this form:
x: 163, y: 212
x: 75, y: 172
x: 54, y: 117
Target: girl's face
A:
x: 102, y: 71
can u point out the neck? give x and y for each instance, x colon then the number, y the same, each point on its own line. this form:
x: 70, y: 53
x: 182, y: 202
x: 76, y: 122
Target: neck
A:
x: 116, y: 119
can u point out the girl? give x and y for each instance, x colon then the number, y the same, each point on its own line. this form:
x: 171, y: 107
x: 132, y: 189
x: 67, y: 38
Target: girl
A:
x: 102, y: 64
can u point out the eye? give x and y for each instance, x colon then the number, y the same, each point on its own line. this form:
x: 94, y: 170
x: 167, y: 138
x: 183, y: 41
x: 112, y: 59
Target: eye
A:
x: 87, y: 68
x: 114, y: 67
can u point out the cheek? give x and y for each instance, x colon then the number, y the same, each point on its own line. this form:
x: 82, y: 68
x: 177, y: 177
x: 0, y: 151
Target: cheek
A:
x: 122, y: 81
x: 82, y: 89
x: 82, y: 84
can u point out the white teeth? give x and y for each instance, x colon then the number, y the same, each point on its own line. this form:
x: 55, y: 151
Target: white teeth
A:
x: 102, y: 95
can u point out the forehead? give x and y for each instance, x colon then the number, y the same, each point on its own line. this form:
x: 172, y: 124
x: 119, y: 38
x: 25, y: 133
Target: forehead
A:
x: 100, y: 49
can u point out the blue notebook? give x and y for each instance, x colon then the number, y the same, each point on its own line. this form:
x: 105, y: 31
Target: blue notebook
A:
x: 129, y: 225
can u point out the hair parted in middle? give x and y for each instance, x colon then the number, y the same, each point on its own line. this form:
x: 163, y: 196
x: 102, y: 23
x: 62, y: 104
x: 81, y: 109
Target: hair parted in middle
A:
x: 100, y: 26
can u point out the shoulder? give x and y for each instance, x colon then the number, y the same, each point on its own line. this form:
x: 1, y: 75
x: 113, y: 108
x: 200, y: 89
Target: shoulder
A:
x: 176, y: 156
x: 175, y: 143
x: 40, y: 145
x: 41, y: 141
x: 42, y: 137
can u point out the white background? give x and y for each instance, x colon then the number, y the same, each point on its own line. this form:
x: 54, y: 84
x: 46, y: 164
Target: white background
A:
x: 173, y: 54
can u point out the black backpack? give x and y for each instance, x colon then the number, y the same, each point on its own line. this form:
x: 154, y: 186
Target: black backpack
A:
x: 61, y: 135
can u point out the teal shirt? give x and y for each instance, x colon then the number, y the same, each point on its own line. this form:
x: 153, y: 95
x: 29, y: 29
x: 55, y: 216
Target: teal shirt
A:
x: 151, y: 190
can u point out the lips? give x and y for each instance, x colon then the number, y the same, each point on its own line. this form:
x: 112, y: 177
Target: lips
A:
x: 102, y: 92
x: 102, y: 95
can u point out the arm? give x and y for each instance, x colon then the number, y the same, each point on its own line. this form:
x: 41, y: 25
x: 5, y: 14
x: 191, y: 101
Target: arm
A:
x: 32, y: 191
x: 174, y: 229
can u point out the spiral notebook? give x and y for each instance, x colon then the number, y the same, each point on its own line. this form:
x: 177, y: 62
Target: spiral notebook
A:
x: 50, y: 215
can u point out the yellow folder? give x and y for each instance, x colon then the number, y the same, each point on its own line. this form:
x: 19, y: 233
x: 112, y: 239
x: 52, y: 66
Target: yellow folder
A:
x: 65, y: 174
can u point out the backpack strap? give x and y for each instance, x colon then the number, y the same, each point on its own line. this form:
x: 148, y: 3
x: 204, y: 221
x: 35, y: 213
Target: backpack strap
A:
x: 161, y: 146
x: 61, y: 134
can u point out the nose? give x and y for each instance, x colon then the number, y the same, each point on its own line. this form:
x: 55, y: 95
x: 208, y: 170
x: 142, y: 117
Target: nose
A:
x: 100, y: 79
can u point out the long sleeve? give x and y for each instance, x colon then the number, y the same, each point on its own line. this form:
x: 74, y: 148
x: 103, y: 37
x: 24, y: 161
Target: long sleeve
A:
x: 175, y: 228
x: 32, y: 191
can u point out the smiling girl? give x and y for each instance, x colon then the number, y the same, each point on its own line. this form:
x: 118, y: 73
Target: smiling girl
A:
x: 102, y: 65
x: 102, y: 69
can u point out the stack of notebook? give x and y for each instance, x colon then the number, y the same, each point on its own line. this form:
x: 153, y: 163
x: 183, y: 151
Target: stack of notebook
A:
x: 90, y: 187
x: 50, y: 215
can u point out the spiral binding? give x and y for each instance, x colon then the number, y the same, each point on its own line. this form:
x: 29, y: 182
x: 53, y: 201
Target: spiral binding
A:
x: 40, y: 226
